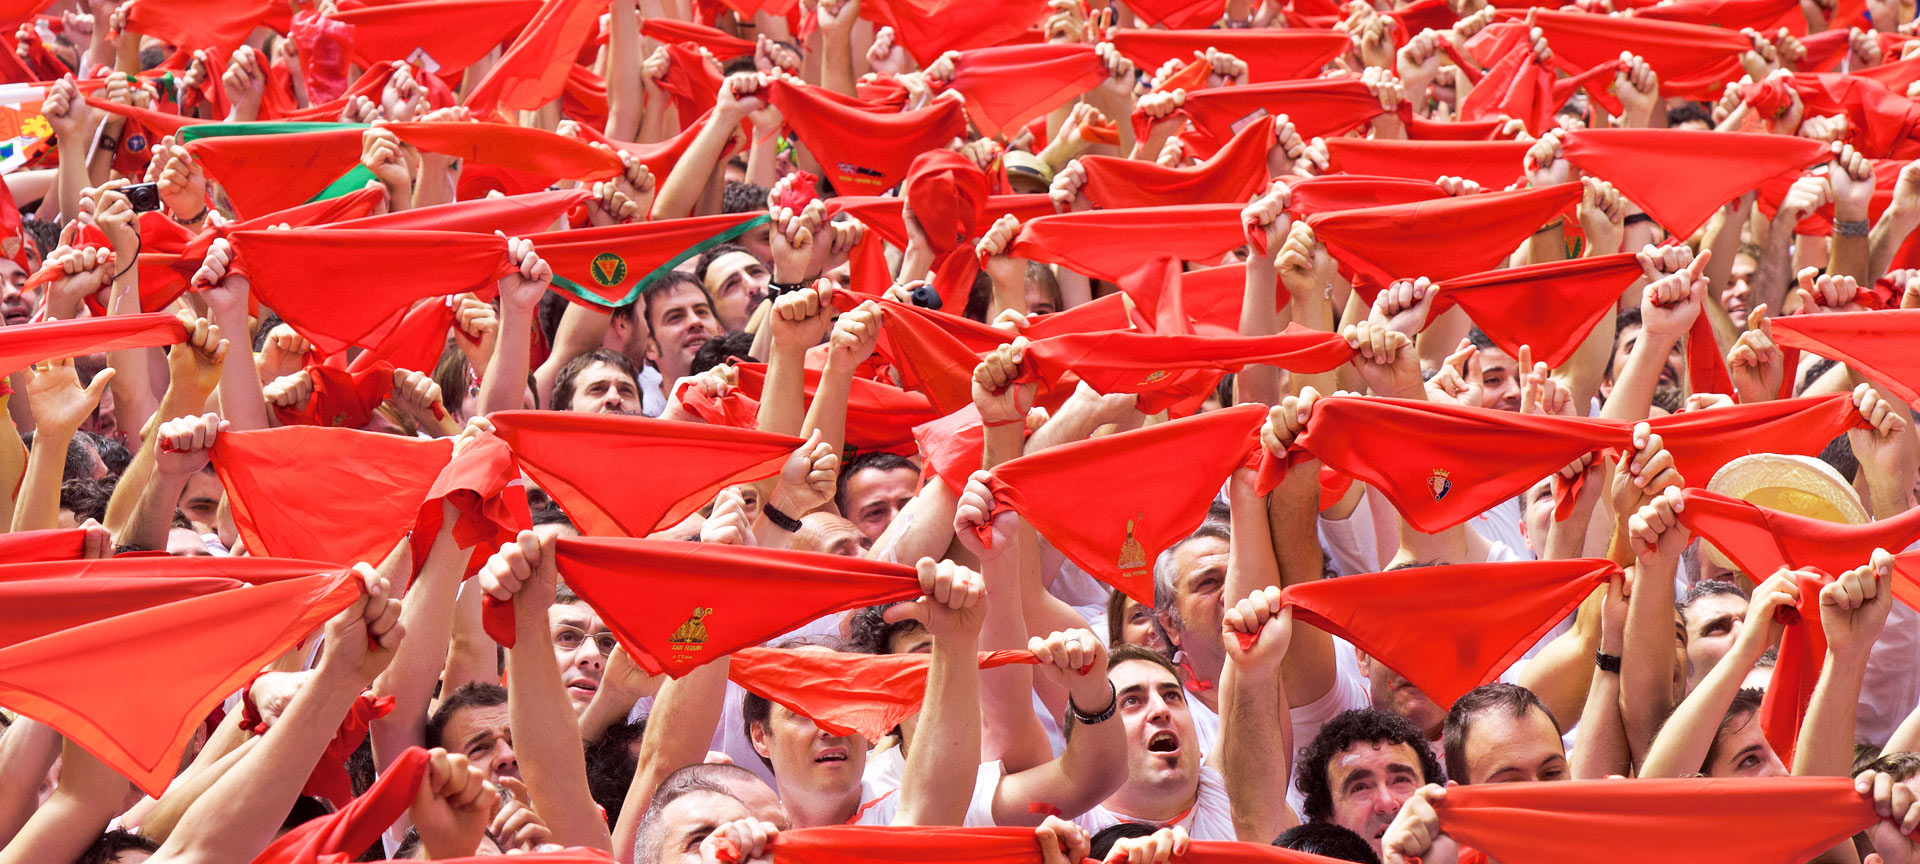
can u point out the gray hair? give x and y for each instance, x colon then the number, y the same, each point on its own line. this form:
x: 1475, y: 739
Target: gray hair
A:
x: 1166, y: 576
x: 702, y: 777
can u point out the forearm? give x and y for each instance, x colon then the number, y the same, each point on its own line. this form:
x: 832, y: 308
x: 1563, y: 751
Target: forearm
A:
x: 1562, y: 673
x: 946, y: 744
x: 164, y: 816
x: 38, y: 506
x: 1825, y: 745
x: 1681, y: 747
x: 1009, y: 732
x: 681, y: 190
x: 473, y: 656
x: 548, y: 742
x: 153, y: 513
x: 679, y: 731
x: 1548, y: 244
x: 1259, y: 316
x: 763, y: 158
x: 438, y: 183
x: 27, y: 751
x: 922, y: 529
x: 828, y: 411
x: 623, y: 68
x: 1285, y: 529
x: 428, y: 620
x: 13, y: 461
x: 1646, y: 660
x: 89, y: 795
x: 1312, y: 308
x: 783, y: 397
x: 1254, y: 728
x: 504, y: 386
x: 1600, y: 750
x: 1774, y: 271
x: 1633, y: 385
x: 242, y: 403
x: 1885, y: 239
x: 836, y: 62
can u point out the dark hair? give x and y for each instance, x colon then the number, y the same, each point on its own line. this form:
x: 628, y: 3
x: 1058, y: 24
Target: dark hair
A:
x: 718, y: 350
x: 113, y: 453
x: 44, y: 234
x: 553, y: 306
x: 756, y: 710
x: 740, y: 197
x: 306, y: 808
x: 707, y: 258
x: 1838, y: 454
x: 1344, y: 730
x: 875, y: 459
x: 86, y: 498
x: 1515, y: 700
x: 1116, y: 618
x: 611, y: 764
x: 869, y: 632
x: 570, y: 373
x: 1628, y: 317
x: 1123, y: 653
x: 1328, y: 841
x: 742, y: 63
x: 454, y: 376
x: 979, y: 297
x: 553, y: 515
x: 1103, y: 841
x: 1741, y: 711
x: 1166, y: 580
x: 474, y: 694
x: 665, y: 283
x: 1903, y: 766
x: 109, y: 845
x: 1703, y: 589
x: 1480, y: 339
x: 1689, y: 112
x: 702, y: 777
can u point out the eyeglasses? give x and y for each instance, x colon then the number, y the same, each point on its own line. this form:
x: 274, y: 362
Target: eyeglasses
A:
x: 570, y: 638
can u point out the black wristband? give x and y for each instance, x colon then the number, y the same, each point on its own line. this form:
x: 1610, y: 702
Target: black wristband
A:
x: 775, y: 289
x: 1113, y: 704
x: 781, y: 520
x: 1606, y: 662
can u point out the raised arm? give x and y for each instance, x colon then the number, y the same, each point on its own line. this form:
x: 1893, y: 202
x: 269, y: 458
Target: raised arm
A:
x: 1681, y: 747
x: 1853, y: 611
x: 186, y: 444
x: 241, y: 399
x: 88, y: 796
x: 946, y: 743
x: 60, y: 405
x: 1255, y: 750
x: 1094, y: 763
x: 504, y: 385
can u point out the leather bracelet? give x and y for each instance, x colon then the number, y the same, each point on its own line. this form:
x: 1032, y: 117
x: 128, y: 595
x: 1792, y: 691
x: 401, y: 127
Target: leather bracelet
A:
x: 1606, y: 662
x: 1557, y: 223
x: 1851, y: 228
x: 1113, y: 705
x: 781, y: 520
x: 204, y: 210
x: 775, y: 289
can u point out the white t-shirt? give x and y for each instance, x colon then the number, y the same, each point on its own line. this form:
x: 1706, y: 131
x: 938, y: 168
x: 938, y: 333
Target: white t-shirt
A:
x: 1501, y: 525
x: 653, y: 402
x: 1349, y: 691
x: 879, y: 805
x: 1210, y: 819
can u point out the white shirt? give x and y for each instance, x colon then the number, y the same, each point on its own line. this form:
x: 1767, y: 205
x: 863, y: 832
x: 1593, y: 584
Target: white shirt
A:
x: 1210, y: 819
x: 652, y: 400
x: 879, y: 805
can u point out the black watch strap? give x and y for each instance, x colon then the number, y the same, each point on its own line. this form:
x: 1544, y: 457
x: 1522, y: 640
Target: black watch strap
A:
x: 786, y: 523
x: 1113, y: 704
x: 1606, y: 662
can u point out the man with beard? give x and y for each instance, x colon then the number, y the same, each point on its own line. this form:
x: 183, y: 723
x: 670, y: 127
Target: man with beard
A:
x: 1362, y: 766
x: 680, y: 319
x: 601, y: 382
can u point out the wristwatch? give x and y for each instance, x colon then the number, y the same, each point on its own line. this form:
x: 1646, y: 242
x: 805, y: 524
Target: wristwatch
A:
x: 1113, y: 704
x: 1606, y: 662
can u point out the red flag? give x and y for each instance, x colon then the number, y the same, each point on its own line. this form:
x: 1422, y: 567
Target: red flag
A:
x: 534, y: 68
x: 677, y: 606
x: 1233, y: 175
x: 27, y: 344
x: 686, y: 464
x: 328, y: 494
x: 1698, y: 819
x: 1492, y: 164
x: 1642, y: 164
x: 1006, y: 86
x: 191, y: 654
x: 1088, y: 499
x: 1423, y: 238
x: 1449, y: 629
x: 846, y: 694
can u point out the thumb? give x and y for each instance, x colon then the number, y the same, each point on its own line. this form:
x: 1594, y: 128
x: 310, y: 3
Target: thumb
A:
x: 914, y: 610
x: 99, y: 384
x: 1758, y: 320
x: 1699, y: 264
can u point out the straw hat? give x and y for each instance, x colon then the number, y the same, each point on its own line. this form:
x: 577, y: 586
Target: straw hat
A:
x: 1800, y: 485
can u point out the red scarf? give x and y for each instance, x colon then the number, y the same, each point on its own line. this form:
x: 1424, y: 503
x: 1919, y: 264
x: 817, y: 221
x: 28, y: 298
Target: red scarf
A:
x: 1108, y: 244
x: 1692, y: 61
x: 1169, y: 368
x: 482, y: 482
x: 1441, y: 465
x: 676, y: 606
x: 1336, y: 192
x: 60, y: 601
x: 50, y: 544
x: 454, y: 35
x: 413, y: 339
x: 879, y: 416
x: 1551, y: 306
x: 1087, y: 497
x: 27, y: 344
x: 951, y: 448
x: 609, y: 266
x: 1695, y: 819
x: 686, y: 464
x: 1270, y: 55
x: 1320, y: 108
x: 340, y: 398
x: 862, y: 152
x: 1760, y: 540
x: 1007, y: 86
x: 534, y: 68
x: 326, y: 494
x: 846, y: 694
x: 1492, y: 164
x: 191, y: 654
x: 1642, y: 163
x: 929, y: 28
x: 1234, y: 175
x: 1449, y: 629
x: 724, y: 47
x: 1879, y: 344
x: 347, y: 832
x: 189, y: 24
x: 253, y: 570
x: 1423, y: 238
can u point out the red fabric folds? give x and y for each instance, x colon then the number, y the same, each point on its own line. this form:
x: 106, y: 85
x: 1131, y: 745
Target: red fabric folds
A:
x: 1551, y: 307
x: 27, y: 344
x: 1644, y: 165
x: 677, y: 606
x: 453, y: 34
x: 859, y: 844
x: 609, y: 266
x: 1878, y: 344
x: 1320, y: 108
x: 1008, y: 85
x: 1270, y: 55
x: 686, y: 464
x: 929, y: 28
x: 723, y: 46
x: 1423, y: 238
x: 534, y: 68
x: 340, y: 398
x: 861, y: 152
x: 1449, y: 629
x: 359, y: 823
x: 1760, y: 540
x: 1344, y: 192
x: 1698, y: 819
x: 1113, y: 504
x: 1444, y: 464
x: 1692, y: 61
x: 1233, y: 175
x: 1108, y: 244
x: 846, y: 694
x: 326, y: 494
x: 51, y: 544
x: 190, y: 24
x: 1169, y: 368
x: 1492, y: 164
x: 482, y: 483
x: 192, y: 653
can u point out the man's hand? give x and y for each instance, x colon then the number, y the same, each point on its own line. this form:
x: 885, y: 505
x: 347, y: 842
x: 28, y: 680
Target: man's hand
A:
x: 855, y: 333
x: 1656, y: 530
x: 224, y: 291
x: 1819, y: 292
x: 479, y: 325
x: 1854, y: 607
x: 1540, y: 392
x: 450, y: 805
x: 1065, y: 189
x: 837, y: 17
x: 1418, y: 63
x: 1256, y: 630
x: 1763, y: 627
x: 1160, y: 847
x: 1002, y: 268
x: 292, y: 390
x: 995, y: 394
x: 751, y: 839
x: 522, y: 572
x: 1644, y: 471
x: 362, y: 638
x: 801, y: 318
x: 1885, y: 446
x: 1076, y: 661
x: 793, y: 236
x: 56, y: 397
x: 1668, y: 305
x: 1449, y: 385
x: 83, y: 273
x: 67, y: 111
x: 953, y: 604
x: 1544, y: 165
x: 1061, y: 842
x: 417, y: 396
x: 1755, y: 362
x: 107, y: 206
x: 515, y: 824
x: 521, y: 290
x: 1265, y: 222
x: 1383, y: 359
x: 1287, y: 420
x: 1603, y: 215
x: 1304, y: 264
x: 1458, y: 186
x: 1404, y: 306
x: 245, y: 82
x: 196, y: 362
x: 728, y: 524
x: 1416, y: 830
x: 182, y: 183
x: 1638, y: 90
x: 186, y: 444
x: 737, y: 99
x: 1806, y: 195
x: 403, y: 100
x: 1851, y: 177
x: 807, y: 477
x: 382, y: 153
x: 1894, y: 800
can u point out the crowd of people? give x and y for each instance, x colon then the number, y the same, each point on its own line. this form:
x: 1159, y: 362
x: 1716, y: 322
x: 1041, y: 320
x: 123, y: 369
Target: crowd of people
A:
x: 1018, y: 431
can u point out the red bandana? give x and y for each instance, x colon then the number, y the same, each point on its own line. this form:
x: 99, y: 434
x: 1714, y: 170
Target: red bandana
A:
x: 356, y: 825
x: 1009, y: 85
x: 1108, y: 244
x: 1321, y: 108
x: 1760, y: 540
x: 1087, y: 497
x: 1551, y: 306
x: 1234, y: 175
x: 1270, y: 55
x: 489, y: 502
x: 676, y: 606
x: 1643, y: 163
x: 1335, y: 192
x: 1879, y: 344
x: 929, y: 28
x: 685, y: 465
x: 723, y: 46
x: 1492, y: 164
x: 862, y: 152
x: 846, y: 694
x: 27, y: 344
x: 533, y: 70
x: 1169, y: 368
x: 1692, y: 61
x: 340, y: 398
x: 609, y: 266
x: 193, y: 652
x: 453, y: 35
x: 326, y: 494
x: 1423, y: 239
x: 51, y: 544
